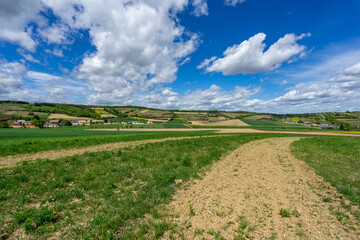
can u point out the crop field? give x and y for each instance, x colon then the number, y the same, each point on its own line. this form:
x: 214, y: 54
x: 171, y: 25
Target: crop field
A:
x: 78, y: 197
x: 267, y: 123
x: 131, y: 192
x: 21, y: 141
x: 65, y: 116
x: 257, y: 117
x: 201, y: 183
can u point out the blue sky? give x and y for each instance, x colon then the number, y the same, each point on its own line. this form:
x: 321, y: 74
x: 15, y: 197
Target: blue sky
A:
x: 256, y: 55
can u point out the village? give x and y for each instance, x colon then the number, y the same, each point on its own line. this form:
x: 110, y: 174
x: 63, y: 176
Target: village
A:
x: 54, y: 123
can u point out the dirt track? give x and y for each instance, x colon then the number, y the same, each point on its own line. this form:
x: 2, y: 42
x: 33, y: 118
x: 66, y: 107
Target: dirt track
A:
x: 9, y: 161
x: 244, y: 192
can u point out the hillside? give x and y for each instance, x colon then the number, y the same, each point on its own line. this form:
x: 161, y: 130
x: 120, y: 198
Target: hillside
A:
x: 13, y: 110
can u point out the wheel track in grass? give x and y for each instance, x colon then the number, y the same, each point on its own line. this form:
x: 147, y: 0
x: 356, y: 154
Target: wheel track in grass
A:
x: 10, y: 161
x: 254, y: 183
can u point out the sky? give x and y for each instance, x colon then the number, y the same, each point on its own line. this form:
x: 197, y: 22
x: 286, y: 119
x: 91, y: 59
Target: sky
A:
x: 273, y: 56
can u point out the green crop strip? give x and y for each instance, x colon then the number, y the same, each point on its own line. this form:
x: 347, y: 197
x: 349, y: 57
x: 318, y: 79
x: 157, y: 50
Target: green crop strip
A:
x: 336, y: 159
x: 43, y: 141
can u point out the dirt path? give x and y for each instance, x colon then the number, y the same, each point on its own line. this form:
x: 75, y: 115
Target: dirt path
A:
x: 10, y: 161
x: 244, y: 192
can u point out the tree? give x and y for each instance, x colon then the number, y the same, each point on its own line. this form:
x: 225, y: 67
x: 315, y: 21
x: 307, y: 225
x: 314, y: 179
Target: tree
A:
x: 66, y: 122
x: 34, y: 122
x: 4, y: 124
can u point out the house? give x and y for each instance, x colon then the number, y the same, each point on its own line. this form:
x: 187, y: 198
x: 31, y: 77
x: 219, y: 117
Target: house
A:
x: 85, y: 122
x: 136, y: 122
x: 49, y: 124
x: 124, y: 123
x: 55, y: 121
x: 17, y: 126
x: 149, y: 122
x: 20, y: 121
x: 31, y: 126
x: 77, y: 124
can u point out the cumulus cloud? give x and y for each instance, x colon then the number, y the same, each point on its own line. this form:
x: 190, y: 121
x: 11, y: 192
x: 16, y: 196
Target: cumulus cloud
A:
x: 233, y: 2
x: 212, y: 98
x: 249, y: 56
x: 139, y: 45
x: 17, y: 83
x: 57, y: 34
x: 11, y: 82
x: 14, y: 19
x: 132, y: 53
x: 200, y: 7
x: 11, y: 76
x: 341, y: 91
x: 335, y: 94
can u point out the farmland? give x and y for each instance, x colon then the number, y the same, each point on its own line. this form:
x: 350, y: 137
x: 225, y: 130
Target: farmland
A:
x: 21, y: 141
x: 185, y: 175
x: 84, y: 189
x: 78, y: 196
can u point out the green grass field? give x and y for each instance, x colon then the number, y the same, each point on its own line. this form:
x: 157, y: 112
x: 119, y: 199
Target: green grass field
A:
x: 336, y: 159
x: 20, y: 141
x: 105, y: 195
x: 268, y: 123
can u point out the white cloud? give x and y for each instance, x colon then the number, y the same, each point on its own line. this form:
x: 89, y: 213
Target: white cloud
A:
x: 342, y: 91
x: 57, y: 52
x: 132, y: 53
x: 11, y: 76
x: 57, y: 34
x: 284, y: 82
x: 233, y: 2
x: 211, y: 98
x: 249, y: 56
x: 200, y: 7
x: 42, y: 76
x: 11, y: 82
x: 17, y: 83
x: 27, y: 56
x: 139, y: 44
x: 14, y: 19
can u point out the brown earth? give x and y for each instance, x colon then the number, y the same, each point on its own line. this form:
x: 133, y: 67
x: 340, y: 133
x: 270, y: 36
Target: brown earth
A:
x: 233, y: 122
x: 191, y: 113
x: 243, y: 194
x: 159, y: 120
x: 65, y: 116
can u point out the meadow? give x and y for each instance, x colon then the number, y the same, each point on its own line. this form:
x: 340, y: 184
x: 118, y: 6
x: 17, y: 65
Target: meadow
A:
x: 105, y: 195
x: 268, y: 123
x: 21, y: 141
x: 336, y: 159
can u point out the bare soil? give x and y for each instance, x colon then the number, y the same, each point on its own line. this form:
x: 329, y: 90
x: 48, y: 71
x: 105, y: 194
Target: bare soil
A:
x: 242, y: 195
x: 233, y: 122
